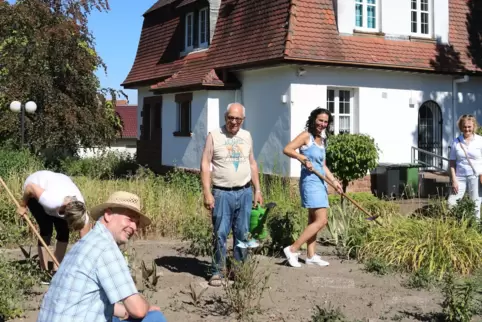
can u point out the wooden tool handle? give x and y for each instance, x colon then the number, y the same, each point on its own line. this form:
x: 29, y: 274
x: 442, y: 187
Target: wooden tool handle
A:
x: 30, y: 224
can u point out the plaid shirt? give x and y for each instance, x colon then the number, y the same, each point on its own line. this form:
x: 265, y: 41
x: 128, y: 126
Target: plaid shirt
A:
x: 92, y: 277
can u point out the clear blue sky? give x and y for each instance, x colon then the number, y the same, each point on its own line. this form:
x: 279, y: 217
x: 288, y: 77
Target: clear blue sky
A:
x: 117, y: 35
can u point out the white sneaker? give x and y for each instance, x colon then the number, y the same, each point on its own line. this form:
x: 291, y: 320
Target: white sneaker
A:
x: 316, y: 260
x: 291, y: 257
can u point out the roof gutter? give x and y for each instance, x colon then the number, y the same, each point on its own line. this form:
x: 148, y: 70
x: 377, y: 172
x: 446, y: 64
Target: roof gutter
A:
x: 455, y: 92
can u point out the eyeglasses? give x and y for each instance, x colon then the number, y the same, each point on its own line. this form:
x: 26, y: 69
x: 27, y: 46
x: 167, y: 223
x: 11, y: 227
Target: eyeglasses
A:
x: 467, y: 115
x: 237, y: 119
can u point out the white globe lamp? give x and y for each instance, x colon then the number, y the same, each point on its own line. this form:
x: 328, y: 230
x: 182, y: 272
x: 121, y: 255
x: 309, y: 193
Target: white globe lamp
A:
x: 30, y: 107
x: 15, y: 106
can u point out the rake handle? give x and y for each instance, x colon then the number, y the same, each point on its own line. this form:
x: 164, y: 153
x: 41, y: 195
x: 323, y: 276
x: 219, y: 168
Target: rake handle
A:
x: 29, y: 222
x: 370, y: 216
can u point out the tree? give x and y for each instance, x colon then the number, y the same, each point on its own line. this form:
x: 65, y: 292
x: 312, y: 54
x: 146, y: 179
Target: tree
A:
x: 351, y: 156
x: 47, y: 55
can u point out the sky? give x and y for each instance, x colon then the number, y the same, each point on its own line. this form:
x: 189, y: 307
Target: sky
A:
x: 117, y: 34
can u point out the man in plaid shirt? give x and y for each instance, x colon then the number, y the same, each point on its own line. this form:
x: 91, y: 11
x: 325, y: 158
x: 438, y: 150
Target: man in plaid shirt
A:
x: 93, y: 279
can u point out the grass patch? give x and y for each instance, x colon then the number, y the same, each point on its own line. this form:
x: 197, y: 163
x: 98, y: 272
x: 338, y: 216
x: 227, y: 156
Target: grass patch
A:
x: 433, y: 244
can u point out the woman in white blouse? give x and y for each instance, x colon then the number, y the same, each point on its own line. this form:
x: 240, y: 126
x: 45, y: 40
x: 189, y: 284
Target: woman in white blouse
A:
x: 466, y: 163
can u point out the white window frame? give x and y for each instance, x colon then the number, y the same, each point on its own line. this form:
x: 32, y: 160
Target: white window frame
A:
x: 419, y: 12
x: 336, y: 113
x: 204, y: 44
x: 365, y: 5
x: 186, y: 33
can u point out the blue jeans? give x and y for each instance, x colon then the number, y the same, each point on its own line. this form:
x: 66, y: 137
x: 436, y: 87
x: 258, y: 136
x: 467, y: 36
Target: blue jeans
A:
x: 232, y: 210
x: 152, y: 316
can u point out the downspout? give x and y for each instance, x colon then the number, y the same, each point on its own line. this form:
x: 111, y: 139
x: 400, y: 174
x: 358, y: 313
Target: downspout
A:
x: 455, y: 92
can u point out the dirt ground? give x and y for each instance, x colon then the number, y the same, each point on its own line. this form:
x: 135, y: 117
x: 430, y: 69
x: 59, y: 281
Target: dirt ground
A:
x: 293, y: 292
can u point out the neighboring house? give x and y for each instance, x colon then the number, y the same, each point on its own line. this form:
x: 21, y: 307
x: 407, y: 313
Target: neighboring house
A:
x: 127, y: 143
x: 400, y: 71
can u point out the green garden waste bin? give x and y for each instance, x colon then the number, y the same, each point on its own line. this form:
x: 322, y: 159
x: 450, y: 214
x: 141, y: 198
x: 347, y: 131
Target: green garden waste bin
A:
x: 409, y: 179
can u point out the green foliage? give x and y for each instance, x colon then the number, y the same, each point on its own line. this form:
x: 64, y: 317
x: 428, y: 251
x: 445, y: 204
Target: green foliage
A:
x: 351, y: 156
x: 458, y: 304
x: 18, y: 278
x: 199, y: 232
x: 18, y: 161
x: 377, y: 266
x: 47, y: 55
x: 368, y: 201
x: 479, y: 130
x: 106, y: 165
x: 435, y: 244
x: 328, y: 314
x: 285, y: 225
x: 421, y: 279
x: 347, y: 228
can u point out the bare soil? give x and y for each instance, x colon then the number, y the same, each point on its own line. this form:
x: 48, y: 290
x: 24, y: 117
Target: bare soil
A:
x: 292, y: 295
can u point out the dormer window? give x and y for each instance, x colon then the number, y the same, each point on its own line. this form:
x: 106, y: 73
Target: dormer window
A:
x: 366, y: 14
x: 420, y: 14
x: 203, y: 28
x: 196, y: 30
x: 189, y: 34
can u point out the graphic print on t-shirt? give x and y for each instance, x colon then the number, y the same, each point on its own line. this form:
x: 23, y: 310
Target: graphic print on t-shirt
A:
x: 235, y: 151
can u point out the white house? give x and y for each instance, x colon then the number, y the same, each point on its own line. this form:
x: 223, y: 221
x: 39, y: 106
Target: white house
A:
x: 399, y: 71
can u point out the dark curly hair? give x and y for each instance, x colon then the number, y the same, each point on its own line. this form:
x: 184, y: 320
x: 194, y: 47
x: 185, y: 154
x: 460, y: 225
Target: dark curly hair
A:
x: 311, y: 123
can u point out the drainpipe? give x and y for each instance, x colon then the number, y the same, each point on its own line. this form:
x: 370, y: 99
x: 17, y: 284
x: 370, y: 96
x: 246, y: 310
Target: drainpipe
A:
x: 455, y: 91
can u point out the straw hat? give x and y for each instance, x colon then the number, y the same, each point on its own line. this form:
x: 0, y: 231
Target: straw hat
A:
x: 121, y: 199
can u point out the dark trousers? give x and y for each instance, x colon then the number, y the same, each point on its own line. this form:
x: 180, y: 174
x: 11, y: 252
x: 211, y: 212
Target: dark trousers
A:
x: 47, y: 223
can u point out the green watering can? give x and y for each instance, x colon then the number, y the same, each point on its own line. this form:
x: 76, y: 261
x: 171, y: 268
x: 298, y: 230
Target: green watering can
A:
x: 257, y: 223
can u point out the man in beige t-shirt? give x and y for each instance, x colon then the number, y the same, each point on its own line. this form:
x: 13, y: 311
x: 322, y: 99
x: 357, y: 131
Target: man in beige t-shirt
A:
x: 230, y: 151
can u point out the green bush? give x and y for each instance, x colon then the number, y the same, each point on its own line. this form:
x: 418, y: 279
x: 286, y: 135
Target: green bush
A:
x: 107, y: 165
x: 351, y: 156
x: 285, y: 225
x: 18, y: 161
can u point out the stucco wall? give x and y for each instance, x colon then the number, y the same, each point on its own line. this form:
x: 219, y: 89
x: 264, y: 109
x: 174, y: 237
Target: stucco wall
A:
x: 394, y: 18
x: 279, y: 100
x: 386, y: 105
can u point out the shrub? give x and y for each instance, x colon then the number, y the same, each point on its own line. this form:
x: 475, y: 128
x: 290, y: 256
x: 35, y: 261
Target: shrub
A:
x: 434, y: 244
x: 285, y: 225
x: 107, y: 165
x: 18, y: 161
x: 351, y: 156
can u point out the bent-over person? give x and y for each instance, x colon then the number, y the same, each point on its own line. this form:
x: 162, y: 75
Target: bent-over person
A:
x: 54, y: 201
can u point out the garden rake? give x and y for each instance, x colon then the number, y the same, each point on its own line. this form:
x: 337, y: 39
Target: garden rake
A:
x: 370, y: 216
x: 29, y: 222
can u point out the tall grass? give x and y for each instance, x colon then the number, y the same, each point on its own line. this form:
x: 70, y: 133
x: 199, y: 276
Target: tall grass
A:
x: 435, y: 244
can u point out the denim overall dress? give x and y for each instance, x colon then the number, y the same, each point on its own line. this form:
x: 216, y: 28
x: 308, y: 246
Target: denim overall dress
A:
x: 313, y: 190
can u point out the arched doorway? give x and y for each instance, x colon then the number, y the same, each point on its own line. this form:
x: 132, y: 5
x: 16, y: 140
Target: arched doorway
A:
x: 430, y: 124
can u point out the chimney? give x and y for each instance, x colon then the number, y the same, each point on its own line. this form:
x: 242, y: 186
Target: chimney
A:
x: 213, y: 16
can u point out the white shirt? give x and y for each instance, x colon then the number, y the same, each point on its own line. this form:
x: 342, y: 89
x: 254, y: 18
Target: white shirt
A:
x: 474, y: 151
x: 57, y: 186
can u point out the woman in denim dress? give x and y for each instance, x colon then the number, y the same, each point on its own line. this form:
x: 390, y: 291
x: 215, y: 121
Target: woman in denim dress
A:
x: 314, y: 193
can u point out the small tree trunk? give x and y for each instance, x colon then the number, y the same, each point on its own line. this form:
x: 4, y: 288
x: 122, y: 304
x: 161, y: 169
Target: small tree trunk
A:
x: 344, y: 185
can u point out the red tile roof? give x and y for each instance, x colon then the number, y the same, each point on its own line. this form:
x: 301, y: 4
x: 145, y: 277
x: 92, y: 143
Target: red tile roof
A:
x: 128, y: 114
x: 196, y: 70
x: 314, y: 36
x: 256, y: 32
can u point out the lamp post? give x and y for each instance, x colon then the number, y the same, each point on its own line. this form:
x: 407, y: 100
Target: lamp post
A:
x: 29, y: 107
